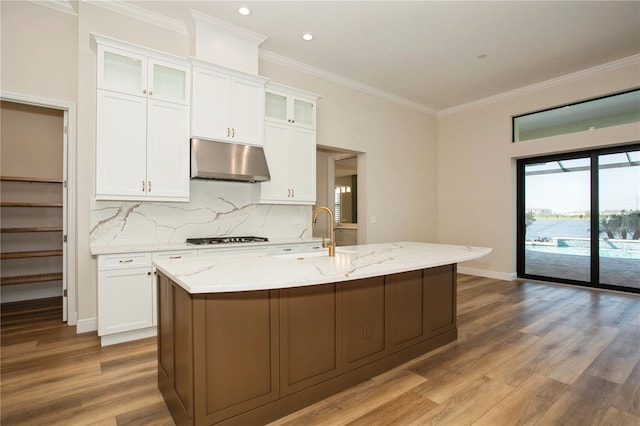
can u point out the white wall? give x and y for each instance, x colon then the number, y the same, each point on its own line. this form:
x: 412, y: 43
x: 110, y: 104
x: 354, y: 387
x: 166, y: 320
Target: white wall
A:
x: 476, y: 160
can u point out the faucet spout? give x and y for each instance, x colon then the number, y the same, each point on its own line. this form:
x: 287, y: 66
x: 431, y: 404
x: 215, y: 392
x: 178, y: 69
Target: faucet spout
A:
x: 331, y: 245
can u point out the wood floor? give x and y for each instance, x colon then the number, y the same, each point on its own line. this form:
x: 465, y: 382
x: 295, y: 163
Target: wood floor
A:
x: 527, y: 353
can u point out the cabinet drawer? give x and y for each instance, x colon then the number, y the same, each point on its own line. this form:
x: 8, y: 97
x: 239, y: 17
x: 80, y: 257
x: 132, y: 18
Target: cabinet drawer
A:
x: 284, y: 249
x: 175, y: 254
x: 123, y: 261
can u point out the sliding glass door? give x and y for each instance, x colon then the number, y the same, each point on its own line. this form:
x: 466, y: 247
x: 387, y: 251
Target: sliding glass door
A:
x: 619, y: 218
x: 560, y: 238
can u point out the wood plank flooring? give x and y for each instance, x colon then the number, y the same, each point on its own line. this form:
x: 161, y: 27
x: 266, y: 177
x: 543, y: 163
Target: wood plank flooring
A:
x: 527, y: 353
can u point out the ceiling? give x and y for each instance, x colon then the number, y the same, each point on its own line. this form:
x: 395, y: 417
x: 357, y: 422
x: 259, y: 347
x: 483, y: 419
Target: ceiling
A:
x: 435, y: 54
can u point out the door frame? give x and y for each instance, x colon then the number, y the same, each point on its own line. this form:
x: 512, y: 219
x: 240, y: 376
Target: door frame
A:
x: 69, y: 256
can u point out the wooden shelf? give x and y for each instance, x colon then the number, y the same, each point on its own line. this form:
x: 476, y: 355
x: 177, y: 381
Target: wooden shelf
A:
x: 31, y: 229
x: 24, y: 279
x: 28, y: 179
x: 28, y: 204
x: 29, y: 254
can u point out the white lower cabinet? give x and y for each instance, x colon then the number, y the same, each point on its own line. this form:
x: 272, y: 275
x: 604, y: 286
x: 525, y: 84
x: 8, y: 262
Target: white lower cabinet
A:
x: 125, y: 297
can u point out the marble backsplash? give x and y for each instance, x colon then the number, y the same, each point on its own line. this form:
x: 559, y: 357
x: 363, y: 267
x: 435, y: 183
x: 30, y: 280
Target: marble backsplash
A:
x: 215, y: 209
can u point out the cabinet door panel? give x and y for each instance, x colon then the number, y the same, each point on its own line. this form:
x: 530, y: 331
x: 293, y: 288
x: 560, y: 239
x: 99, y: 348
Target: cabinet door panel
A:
x: 125, y: 300
x: 440, y: 285
x: 168, y: 150
x: 241, y: 342
x: 168, y: 82
x: 247, y: 111
x: 121, y: 144
x: 302, y: 164
x: 310, y: 336
x: 122, y: 71
x: 275, y: 150
x: 407, y: 316
x: 210, y: 104
x: 365, y: 328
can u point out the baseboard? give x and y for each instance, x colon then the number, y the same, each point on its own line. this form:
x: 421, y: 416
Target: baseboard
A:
x: 504, y: 276
x: 87, y: 325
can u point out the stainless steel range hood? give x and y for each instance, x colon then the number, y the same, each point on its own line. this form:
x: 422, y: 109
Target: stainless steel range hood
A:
x: 228, y: 161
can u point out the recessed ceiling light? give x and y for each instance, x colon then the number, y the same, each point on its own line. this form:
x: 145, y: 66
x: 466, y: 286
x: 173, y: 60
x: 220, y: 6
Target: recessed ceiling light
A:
x: 482, y: 56
x: 244, y: 11
x: 307, y: 36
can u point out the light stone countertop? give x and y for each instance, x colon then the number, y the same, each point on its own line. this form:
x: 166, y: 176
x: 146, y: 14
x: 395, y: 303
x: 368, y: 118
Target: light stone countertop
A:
x: 250, y: 271
x: 146, y: 247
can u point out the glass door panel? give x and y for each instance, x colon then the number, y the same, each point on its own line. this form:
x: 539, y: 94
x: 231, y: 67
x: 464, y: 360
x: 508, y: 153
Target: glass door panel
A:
x: 275, y: 106
x: 303, y: 112
x: 169, y: 83
x: 123, y: 73
x: 619, y: 218
x: 557, y: 226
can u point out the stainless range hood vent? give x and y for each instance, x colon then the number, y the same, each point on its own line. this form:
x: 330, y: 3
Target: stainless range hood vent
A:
x: 228, y: 161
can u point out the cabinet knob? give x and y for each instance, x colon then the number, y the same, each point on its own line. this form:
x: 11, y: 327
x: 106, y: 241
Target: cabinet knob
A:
x: 144, y: 91
x: 125, y: 260
x: 228, y: 132
x: 143, y: 187
x: 233, y: 132
x: 149, y: 273
x: 151, y: 92
x: 149, y: 186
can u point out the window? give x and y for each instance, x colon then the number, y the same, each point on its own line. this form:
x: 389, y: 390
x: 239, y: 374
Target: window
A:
x: 608, y: 111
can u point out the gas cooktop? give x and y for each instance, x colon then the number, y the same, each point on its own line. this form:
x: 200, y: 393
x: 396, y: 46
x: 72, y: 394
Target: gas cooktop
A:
x: 226, y: 240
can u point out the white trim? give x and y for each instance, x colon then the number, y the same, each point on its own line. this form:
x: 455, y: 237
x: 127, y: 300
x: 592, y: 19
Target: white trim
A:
x: 59, y: 5
x: 504, y: 276
x: 71, y: 162
x: 141, y: 14
x: 226, y: 28
x: 127, y: 336
x: 87, y: 325
x: 599, y: 69
x: 335, y: 78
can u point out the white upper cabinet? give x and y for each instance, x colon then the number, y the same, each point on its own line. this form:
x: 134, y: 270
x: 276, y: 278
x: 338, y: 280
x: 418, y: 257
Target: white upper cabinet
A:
x: 227, y: 105
x: 290, y: 106
x: 137, y: 74
x: 289, y: 146
x: 142, y: 123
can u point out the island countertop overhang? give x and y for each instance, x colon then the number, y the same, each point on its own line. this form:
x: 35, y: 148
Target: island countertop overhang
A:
x: 253, y: 271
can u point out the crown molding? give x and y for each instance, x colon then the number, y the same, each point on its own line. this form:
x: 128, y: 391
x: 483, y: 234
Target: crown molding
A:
x: 59, y: 5
x: 335, y: 78
x: 124, y: 8
x: 226, y: 28
x: 599, y: 69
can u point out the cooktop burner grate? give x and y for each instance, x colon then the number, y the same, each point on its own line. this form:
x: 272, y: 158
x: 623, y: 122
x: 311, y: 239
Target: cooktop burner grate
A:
x: 226, y: 240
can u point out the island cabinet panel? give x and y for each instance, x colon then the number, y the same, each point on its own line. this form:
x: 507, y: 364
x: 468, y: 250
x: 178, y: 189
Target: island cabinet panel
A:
x: 408, y: 320
x: 236, y: 338
x: 365, y: 328
x: 175, y: 349
x: 440, y: 300
x: 310, y: 336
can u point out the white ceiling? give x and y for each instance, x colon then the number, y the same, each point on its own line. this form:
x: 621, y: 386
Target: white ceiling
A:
x: 427, y: 52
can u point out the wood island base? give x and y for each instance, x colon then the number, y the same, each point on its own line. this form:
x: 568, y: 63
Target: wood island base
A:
x: 246, y: 358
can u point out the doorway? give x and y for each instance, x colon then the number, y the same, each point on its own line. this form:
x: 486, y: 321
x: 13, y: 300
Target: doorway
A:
x: 579, y: 218
x: 37, y: 202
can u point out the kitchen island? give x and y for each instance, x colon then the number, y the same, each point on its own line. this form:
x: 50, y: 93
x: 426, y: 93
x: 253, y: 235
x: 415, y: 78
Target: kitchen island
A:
x: 248, y: 338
